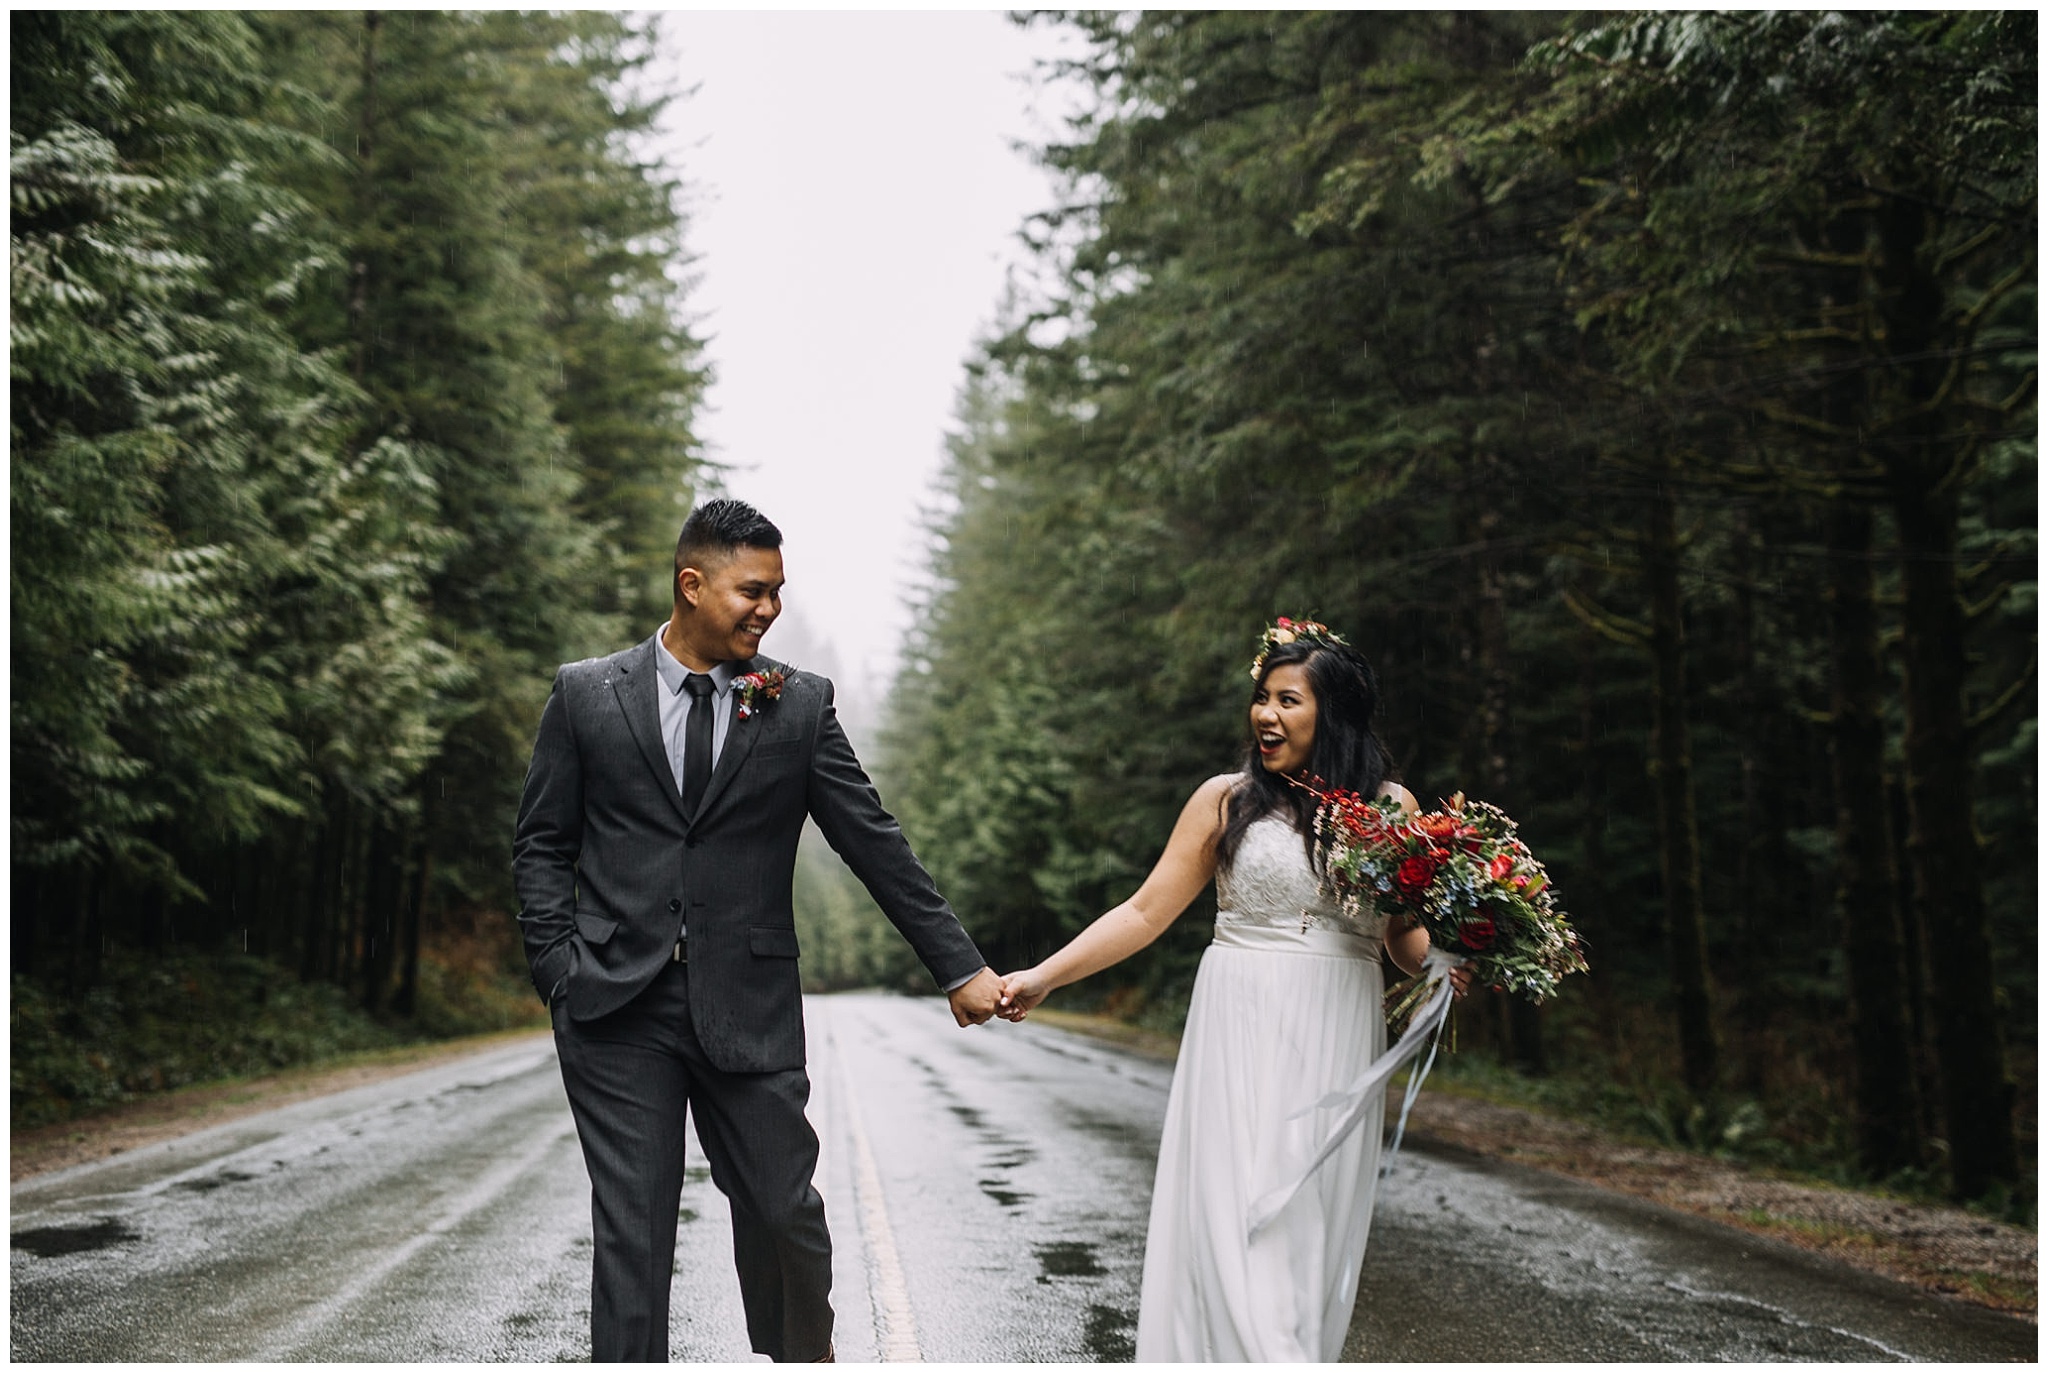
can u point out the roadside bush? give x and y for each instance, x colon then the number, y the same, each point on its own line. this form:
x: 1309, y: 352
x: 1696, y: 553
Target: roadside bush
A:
x: 157, y: 1023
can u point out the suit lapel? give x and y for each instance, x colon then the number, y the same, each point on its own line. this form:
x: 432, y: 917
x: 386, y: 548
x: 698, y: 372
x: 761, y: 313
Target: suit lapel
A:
x: 637, y: 686
x: 740, y: 735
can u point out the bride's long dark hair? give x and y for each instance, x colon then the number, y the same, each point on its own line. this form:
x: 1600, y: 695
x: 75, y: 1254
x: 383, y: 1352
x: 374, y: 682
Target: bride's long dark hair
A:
x: 1346, y: 752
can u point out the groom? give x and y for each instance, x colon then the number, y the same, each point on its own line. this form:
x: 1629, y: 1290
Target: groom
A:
x: 653, y: 858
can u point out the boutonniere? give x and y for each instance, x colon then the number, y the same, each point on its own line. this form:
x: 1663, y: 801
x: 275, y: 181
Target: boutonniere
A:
x: 757, y: 689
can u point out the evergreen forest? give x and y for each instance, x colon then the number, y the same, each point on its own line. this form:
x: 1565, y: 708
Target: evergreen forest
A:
x: 351, y: 393
x: 1651, y: 397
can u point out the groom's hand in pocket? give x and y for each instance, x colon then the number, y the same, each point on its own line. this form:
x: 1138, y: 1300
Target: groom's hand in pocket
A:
x: 974, y: 1000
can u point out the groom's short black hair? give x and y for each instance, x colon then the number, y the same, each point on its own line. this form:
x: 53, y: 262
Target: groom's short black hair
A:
x: 721, y: 528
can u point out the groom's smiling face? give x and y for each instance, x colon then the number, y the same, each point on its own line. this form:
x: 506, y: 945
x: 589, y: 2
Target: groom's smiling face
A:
x: 732, y: 603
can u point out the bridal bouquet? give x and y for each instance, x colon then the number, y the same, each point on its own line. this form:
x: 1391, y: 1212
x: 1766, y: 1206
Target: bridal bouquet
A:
x: 1486, y: 902
x: 1461, y: 873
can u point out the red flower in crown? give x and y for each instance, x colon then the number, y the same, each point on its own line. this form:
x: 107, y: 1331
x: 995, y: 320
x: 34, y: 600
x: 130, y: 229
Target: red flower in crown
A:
x: 1286, y: 631
x: 756, y: 689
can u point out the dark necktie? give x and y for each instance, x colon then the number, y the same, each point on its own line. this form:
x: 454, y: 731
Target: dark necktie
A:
x: 696, y: 742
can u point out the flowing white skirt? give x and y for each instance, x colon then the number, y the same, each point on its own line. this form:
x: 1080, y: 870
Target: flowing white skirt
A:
x: 1277, y: 1020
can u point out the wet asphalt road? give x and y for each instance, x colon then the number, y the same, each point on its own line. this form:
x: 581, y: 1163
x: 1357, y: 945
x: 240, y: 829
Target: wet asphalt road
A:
x: 987, y: 1191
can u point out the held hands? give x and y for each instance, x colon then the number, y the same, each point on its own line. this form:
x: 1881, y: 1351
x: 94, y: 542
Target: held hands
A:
x: 984, y: 995
x: 1022, y: 991
x: 975, y: 1000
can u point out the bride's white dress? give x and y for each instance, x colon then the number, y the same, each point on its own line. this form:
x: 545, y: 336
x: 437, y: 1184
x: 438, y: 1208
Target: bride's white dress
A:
x: 1286, y: 1008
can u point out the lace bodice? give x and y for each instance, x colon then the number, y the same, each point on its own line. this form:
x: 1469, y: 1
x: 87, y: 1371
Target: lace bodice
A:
x: 1270, y: 884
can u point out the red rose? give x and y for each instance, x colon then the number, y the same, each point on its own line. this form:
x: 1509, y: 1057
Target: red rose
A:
x: 1415, y: 875
x: 1501, y: 866
x: 1477, y: 933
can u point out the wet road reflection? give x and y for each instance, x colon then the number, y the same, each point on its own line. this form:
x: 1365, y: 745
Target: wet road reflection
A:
x: 987, y: 1191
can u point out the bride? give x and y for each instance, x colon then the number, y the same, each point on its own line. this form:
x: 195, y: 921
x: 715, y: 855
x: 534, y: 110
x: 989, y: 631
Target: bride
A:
x: 1286, y: 1009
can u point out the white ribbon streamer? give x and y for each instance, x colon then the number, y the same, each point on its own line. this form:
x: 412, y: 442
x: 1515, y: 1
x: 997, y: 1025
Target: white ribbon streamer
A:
x: 1356, y: 1100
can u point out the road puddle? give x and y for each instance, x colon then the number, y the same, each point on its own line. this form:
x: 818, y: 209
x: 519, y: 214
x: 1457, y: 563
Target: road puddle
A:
x: 995, y: 1190
x: 1110, y: 1335
x: 220, y: 1179
x: 53, y: 1241
x: 1068, y: 1259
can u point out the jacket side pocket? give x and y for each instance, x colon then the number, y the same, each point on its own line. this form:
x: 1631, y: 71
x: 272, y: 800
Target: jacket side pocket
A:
x: 771, y: 941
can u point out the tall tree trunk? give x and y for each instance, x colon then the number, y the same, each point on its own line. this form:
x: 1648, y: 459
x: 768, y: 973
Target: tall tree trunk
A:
x: 1925, y: 461
x: 412, y: 917
x: 1589, y: 894
x: 382, y: 884
x: 1484, y: 1016
x: 349, y: 954
x: 1873, y: 942
x: 1948, y: 888
x: 91, y: 938
x: 29, y: 889
x: 1524, y: 1024
x: 316, y: 957
x: 1751, y: 915
x: 1678, y: 839
x: 1926, y: 1070
x: 407, y: 1003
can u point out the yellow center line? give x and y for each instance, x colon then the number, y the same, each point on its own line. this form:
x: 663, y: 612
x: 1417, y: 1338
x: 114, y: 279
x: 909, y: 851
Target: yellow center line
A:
x: 895, y: 1326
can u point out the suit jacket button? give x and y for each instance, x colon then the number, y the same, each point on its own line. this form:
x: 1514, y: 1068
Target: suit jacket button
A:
x: 675, y: 905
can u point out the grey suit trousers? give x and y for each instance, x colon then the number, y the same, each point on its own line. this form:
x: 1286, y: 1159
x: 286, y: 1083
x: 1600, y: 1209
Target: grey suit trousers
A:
x: 633, y: 1076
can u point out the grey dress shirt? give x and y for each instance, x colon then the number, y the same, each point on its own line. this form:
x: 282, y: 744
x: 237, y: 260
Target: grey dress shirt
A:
x: 676, y: 704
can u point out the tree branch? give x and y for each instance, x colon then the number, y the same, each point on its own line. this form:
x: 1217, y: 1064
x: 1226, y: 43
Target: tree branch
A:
x: 1985, y: 718
x: 1620, y: 629
x: 1996, y: 292
x: 1989, y: 603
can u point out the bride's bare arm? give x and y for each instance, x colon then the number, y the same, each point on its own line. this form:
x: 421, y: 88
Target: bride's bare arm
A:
x: 1175, y: 880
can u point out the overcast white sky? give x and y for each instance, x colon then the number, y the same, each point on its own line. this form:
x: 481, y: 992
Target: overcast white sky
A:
x: 855, y: 205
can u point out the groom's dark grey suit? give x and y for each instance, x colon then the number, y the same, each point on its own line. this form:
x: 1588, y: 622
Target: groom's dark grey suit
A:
x: 610, y: 871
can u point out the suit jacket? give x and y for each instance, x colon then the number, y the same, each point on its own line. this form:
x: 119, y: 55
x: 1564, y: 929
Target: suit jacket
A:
x: 608, y: 868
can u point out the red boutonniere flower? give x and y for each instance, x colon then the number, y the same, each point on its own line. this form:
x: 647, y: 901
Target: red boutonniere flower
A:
x: 756, y: 689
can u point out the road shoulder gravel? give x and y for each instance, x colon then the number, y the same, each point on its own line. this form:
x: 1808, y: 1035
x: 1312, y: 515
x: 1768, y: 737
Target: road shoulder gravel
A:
x: 171, y: 1115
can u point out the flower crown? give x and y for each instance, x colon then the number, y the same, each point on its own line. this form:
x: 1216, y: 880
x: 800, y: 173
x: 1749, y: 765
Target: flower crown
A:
x: 1286, y: 631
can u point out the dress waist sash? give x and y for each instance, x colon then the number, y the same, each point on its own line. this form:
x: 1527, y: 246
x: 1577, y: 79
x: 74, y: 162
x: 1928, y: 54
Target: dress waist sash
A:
x: 1317, y: 940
